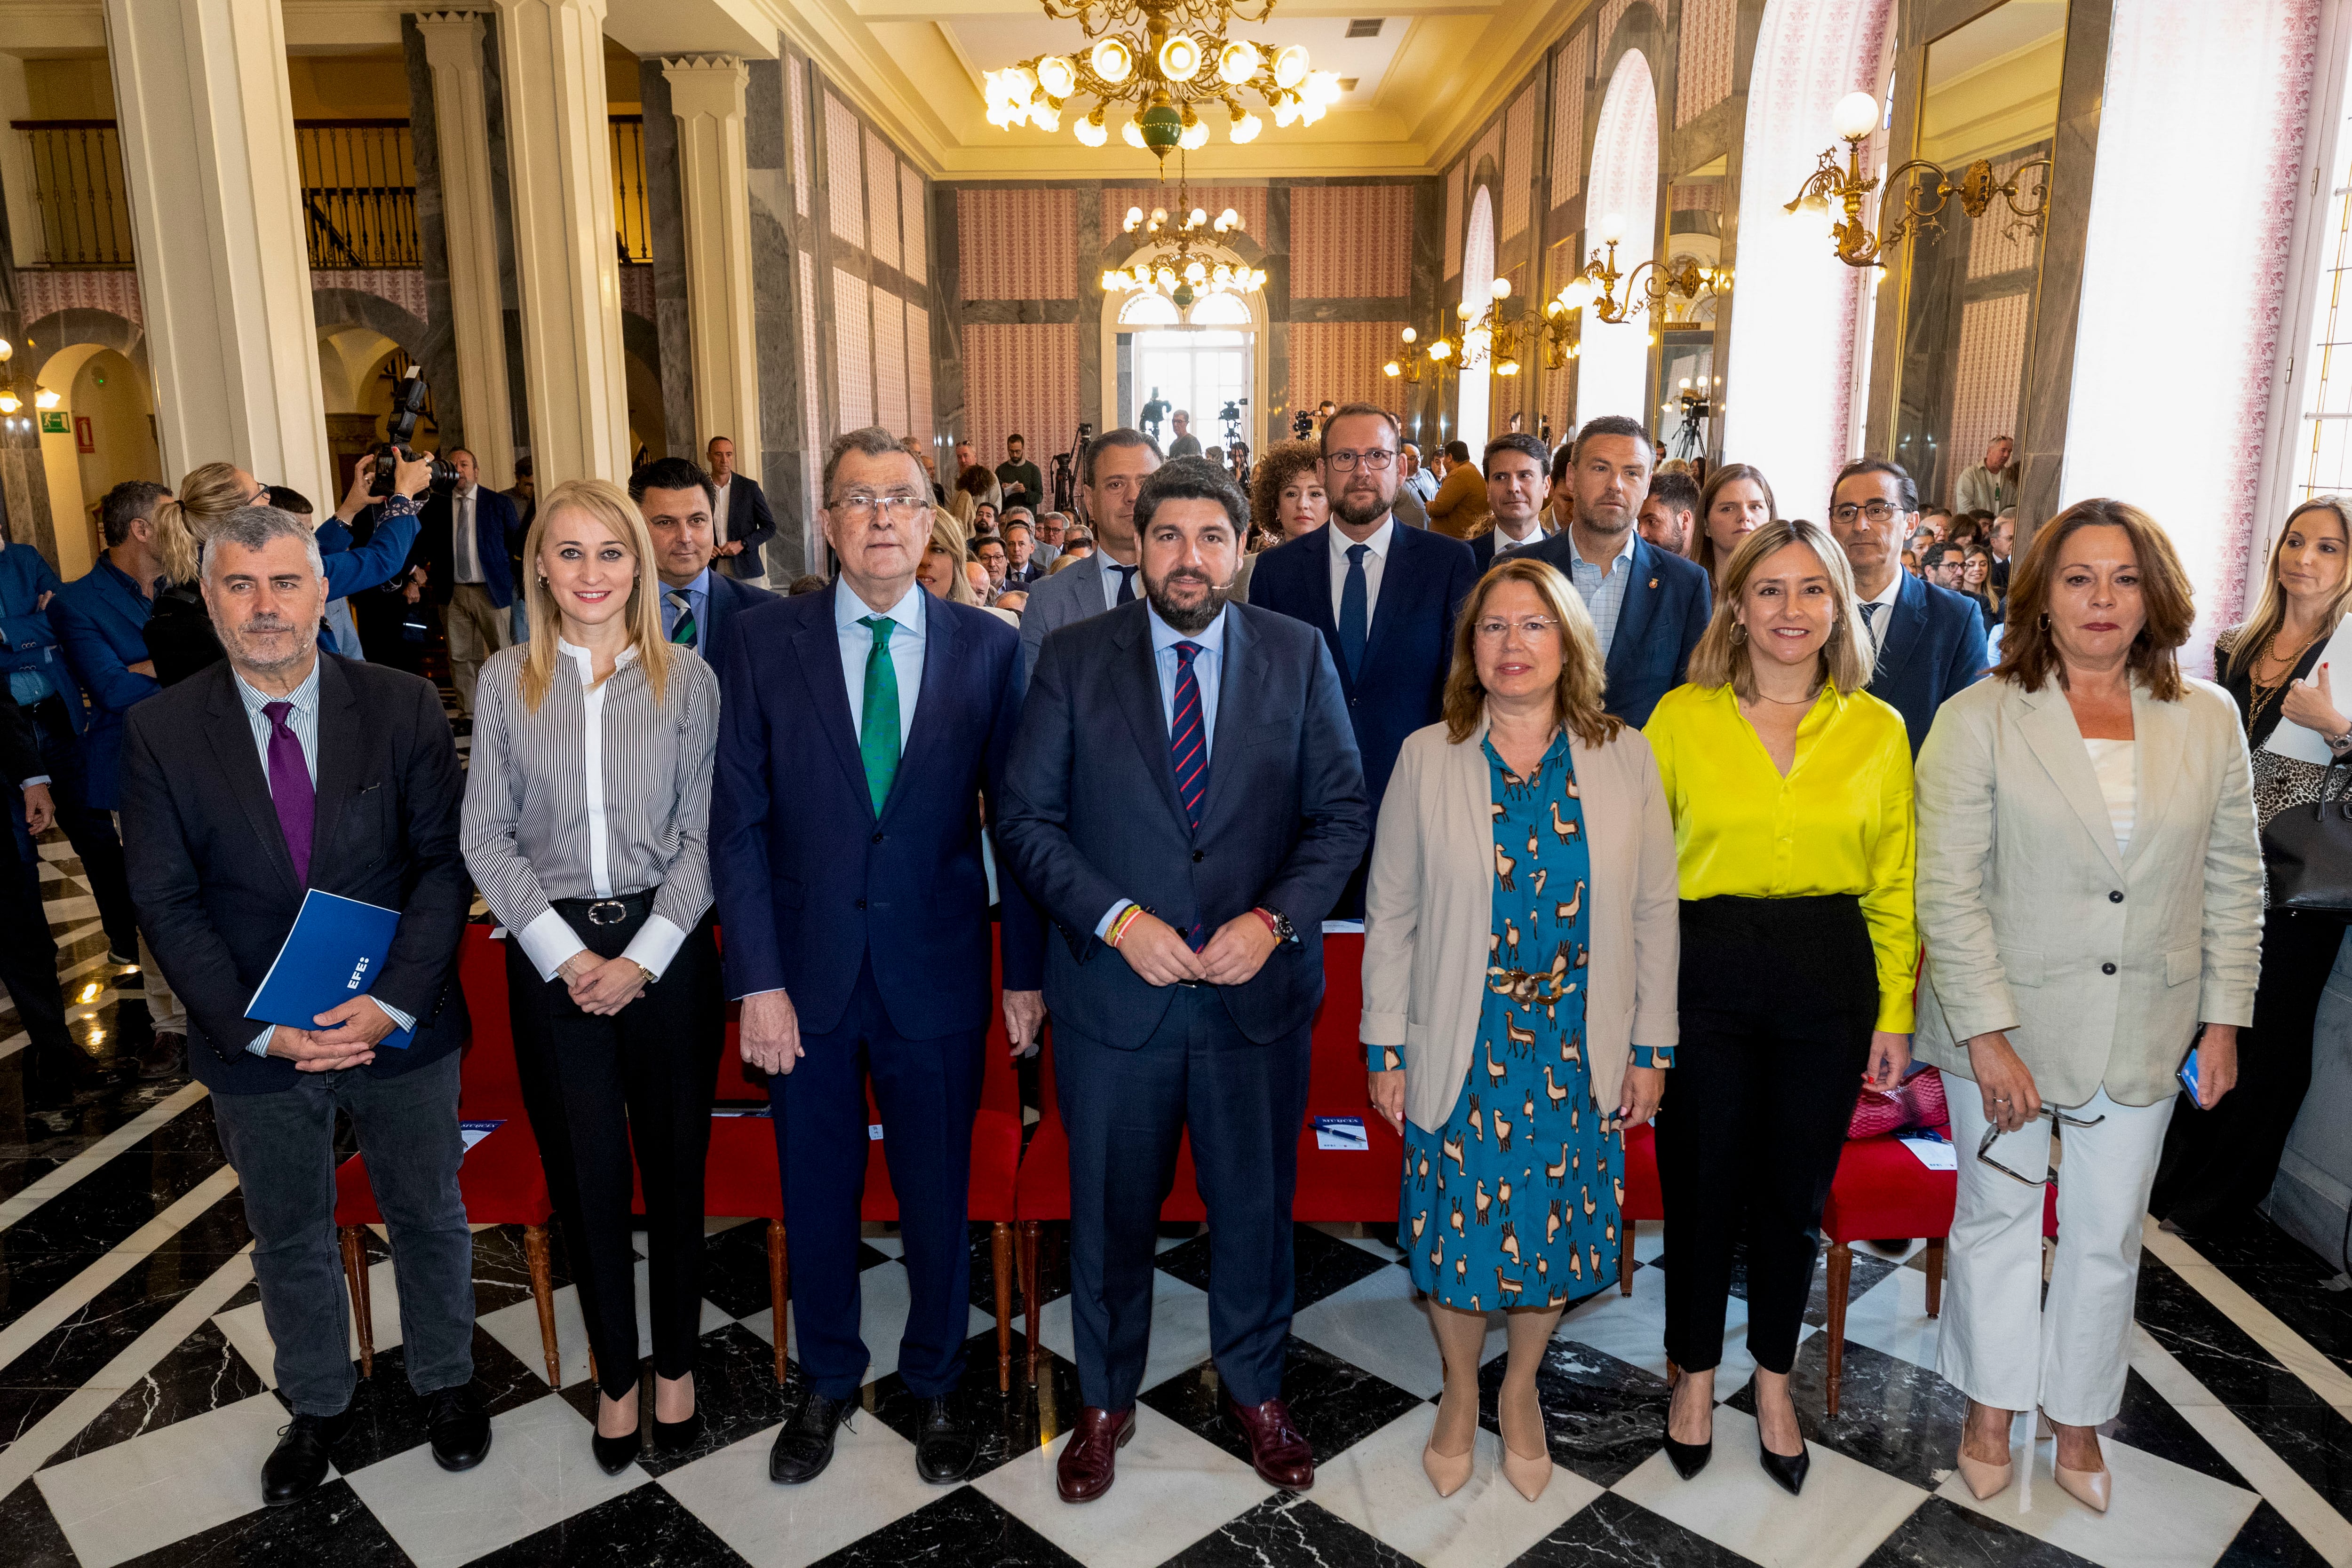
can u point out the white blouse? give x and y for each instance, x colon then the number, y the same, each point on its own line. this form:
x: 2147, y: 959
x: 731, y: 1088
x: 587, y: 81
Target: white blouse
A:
x: 2117, y: 763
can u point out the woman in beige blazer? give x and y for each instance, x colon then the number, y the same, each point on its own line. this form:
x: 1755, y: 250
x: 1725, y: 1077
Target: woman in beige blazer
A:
x: 1520, y: 952
x: 2090, y: 892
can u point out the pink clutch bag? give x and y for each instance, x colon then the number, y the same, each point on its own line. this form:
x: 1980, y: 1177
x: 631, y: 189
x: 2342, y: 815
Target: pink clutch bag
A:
x: 1917, y: 1101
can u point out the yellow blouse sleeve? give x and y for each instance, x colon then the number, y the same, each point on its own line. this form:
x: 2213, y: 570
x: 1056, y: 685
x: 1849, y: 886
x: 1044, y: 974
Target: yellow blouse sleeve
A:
x: 1886, y: 905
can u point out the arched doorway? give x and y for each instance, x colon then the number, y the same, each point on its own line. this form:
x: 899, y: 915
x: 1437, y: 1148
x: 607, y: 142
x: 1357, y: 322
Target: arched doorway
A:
x: 1204, y: 359
x: 1474, y: 408
x: 106, y: 434
x: 1620, y: 202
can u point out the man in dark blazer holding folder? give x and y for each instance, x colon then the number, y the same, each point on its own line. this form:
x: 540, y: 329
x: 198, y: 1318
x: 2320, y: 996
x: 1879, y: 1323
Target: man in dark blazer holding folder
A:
x: 1185, y: 801
x: 278, y: 770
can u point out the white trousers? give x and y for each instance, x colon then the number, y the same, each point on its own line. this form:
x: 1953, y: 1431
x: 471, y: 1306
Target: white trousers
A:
x: 2001, y: 1344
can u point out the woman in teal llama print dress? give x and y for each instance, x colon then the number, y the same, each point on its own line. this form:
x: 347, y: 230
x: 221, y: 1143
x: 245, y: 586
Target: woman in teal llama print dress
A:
x: 1521, y: 946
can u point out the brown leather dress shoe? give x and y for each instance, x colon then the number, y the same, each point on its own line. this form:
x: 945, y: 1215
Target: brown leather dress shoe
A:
x: 1278, y: 1450
x: 162, y: 1057
x: 1090, y: 1462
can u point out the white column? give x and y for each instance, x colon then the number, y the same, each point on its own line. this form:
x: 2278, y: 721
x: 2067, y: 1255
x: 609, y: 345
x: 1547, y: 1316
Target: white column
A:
x: 453, y: 47
x: 559, y: 176
x: 208, y: 153
x: 706, y: 95
x: 15, y: 167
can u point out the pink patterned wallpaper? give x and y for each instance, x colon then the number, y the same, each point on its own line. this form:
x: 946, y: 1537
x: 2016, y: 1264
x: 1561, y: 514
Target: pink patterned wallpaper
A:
x: 813, y: 432
x: 852, y: 349
x: 1702, y: 63
x: 914, y: 221
x: 1341, y: 360
x: 1351, y: 242
x: 636, y: 290
x: 1570, y: 68
x: 881, y: 199
x: 889, y: 363
x: 1611, y: 13
x: 1518, y: 163
x: 1021, y: 379
x: 403, y: 287
x: 1248, y: 203
x: 41, y: 292
x: 845, y: 186
x: 1490, y: 145
x: 918, y: 374
x: 1997, y: 244
x: 1017, y: 244
x: 1989, y: 370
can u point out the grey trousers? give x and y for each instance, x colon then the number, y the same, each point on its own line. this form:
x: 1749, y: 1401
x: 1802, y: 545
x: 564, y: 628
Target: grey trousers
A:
x: 283, y: 1147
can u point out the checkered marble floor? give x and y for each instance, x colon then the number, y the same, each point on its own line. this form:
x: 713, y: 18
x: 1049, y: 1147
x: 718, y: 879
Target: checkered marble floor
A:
x: 136, y: 1405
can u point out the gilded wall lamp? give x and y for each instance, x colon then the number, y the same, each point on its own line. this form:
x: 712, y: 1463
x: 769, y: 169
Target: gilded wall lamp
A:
x: 1650, y: 287
x: 1856, y: 117
x: 1436, y: 358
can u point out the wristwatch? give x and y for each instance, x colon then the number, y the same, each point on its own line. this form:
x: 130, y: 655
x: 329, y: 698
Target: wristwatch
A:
x: 1284, y: 933
x: 2339, y: 742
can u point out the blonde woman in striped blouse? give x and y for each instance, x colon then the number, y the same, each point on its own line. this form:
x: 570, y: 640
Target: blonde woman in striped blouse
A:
x: 586, y: 825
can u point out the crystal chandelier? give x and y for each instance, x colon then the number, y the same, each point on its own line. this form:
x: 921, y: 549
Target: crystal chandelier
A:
x: 1174, y: 269
x: 1169, y: 60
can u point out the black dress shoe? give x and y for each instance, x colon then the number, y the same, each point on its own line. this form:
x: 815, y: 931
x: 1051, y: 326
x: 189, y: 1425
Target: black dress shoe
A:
x: 804, y: 1447
x: 458, y: 1427
x: 614, y: 1455
x: 1689, y: 1458
x: 1789, y: 1469
x: 677, y: 1437
x: 944, y: 1446
x: 298, y: 1463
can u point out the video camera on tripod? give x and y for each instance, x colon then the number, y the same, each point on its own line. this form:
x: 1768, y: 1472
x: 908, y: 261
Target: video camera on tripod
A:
x: 1065, y: 465
x: 407, y: 407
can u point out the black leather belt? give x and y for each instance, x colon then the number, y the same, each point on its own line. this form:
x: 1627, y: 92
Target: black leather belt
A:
x: 603, y: 911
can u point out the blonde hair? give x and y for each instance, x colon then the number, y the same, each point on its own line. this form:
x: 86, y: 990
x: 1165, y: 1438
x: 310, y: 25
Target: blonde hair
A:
x: 607, y: 505
x: 207, y: 495
x: 1576, y: 699
x: 1723, y: 658
x: 948, y: 534
x: 2244, y: 643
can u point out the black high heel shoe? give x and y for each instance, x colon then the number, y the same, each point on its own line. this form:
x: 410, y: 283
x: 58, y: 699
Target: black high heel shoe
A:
x: 1788, y: 1469
x: 1688, y: 1459
x: 614, y: 1455
x: 677, y: 1437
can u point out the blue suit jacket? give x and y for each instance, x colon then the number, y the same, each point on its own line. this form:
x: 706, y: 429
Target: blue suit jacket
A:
x: 811, y: 883
x: 1662, y: 619
x: 98, y: 618
x: 32, y: 641
x: 1934, y: 645
x: 1408, y: 648
x: 1091, y: 813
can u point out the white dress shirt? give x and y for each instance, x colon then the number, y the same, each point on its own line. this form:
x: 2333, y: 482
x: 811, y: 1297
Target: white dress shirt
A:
x: 1373, y: 562
x: 718, y: 509
x: 1110, y: 572
x: 1208, y: 666
x: 858, y: 646
x: 1878, y: 620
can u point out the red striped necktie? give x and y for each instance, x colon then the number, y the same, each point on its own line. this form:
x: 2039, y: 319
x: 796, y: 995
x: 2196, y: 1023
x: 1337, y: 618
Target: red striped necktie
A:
x: 1188, y: 752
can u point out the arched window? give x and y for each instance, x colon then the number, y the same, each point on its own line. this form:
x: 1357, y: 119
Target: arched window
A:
x: 1613, y: 369
x: 1471, y: 413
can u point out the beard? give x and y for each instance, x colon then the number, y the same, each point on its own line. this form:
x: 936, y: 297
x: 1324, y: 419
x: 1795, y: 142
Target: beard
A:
x: 1194, y: 619
x: 1359, y: 508
x: 243, y: 643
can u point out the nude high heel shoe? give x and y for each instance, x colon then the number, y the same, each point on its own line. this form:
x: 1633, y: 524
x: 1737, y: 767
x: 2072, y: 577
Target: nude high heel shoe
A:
x: 1529, y: 1477
x: 1985, y: 1479
x: 2092, y: 1488
x: 1449, y: 1473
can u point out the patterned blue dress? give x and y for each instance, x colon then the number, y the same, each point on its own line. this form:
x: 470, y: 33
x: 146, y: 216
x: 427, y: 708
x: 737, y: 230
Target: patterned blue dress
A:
x: 1514, y: 1201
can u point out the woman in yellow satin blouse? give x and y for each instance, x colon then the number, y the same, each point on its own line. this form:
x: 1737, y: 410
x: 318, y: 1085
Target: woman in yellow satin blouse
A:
x: 1791, y: 791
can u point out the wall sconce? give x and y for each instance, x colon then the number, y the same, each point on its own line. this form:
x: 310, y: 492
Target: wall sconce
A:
x: 1596, y: 286
x: 1486, y: 338
x: 1437, y: 358
x: 1856, y: 117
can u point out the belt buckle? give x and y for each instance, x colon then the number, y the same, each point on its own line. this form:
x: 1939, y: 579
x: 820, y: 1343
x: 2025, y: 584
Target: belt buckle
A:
x: 596, y: 916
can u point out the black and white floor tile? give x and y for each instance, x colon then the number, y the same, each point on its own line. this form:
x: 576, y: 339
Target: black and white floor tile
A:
x: 137, y: 1403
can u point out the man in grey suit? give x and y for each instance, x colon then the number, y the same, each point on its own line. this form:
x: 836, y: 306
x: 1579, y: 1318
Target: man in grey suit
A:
x: 1110, y: 471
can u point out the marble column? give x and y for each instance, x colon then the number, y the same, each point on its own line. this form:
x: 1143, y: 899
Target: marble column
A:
x: 208, y: 153
x: 559, y: 170
x: 706, y: 95
x: 453, y: 47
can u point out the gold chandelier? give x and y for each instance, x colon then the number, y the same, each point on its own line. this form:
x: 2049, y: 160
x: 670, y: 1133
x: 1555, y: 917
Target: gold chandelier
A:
x: 1856, y: 117
x: 1170, y: 58
x: 1175, y: 269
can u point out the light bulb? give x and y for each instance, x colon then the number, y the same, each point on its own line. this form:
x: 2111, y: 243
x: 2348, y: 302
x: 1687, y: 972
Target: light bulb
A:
x: 1500, y: 288
x: 1091, y: 131
x: 1112, y: 281
x: 1134, y: 219
x: 1411, y: 336
x: 1612, y: 227
x: 1323, y: 87
x: 1045, y: 115
x: 1685, y: 384
x: 1465, y: 311
x: 1285, y: 113
x: 1020, y: 86
x: 1238, y: 63
x: 1166, y: 276
x: 1310, y: 111
x: 1577, y: 294
x: 7, y: 350
x: 1133, y: 134
x: 1196, y: 271
x: 9, y: 403
x: 43, y: 398
x: 1856, y: 116
x: 1246, y: 127
x: 1229, y: 219
x: 1506, y: 367
x: 1290, y: 66
x: 1158, y: 216
x: 1057, y: 74
x: 1112, y: 61
x: 1392, y: 369
x: 1197, y: 219
x: 1195, y: 137
x: 1441, y: 349
x: 1180, y: 57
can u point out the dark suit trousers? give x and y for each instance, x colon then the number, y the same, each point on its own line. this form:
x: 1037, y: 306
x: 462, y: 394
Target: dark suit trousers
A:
x: 928, y: 1091
x: 87, y: 829
x: 1125, y: 1111
x: 2218, y: 1165
x: 598, y: 1087
x: 28, y: 968
x: 1777, y: 1000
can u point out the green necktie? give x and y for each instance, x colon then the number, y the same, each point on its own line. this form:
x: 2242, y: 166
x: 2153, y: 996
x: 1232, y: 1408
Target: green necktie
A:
x: 878, y: 735
x: 683, y: 632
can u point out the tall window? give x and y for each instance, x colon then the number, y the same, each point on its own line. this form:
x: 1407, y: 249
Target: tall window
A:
x: 1477, y: 285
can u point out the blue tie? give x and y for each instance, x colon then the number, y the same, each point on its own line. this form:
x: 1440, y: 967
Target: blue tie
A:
x: 1126, y: 584
x: 1188, y: 753
x: 1352, y: 611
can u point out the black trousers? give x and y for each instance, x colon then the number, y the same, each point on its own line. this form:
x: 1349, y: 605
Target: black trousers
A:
x: 1778, y: 997
x: 596, y: 1088
x: 2218, y: 1165
x: 87, y: 829
x: 28, y: 968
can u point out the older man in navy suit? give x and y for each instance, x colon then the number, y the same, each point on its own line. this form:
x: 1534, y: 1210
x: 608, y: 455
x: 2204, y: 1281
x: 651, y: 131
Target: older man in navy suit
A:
x: 859, y: 729
x: 1648, y: 607
x: 1186, y: 802
x: 1384, y: 596
x: 1930, y: 642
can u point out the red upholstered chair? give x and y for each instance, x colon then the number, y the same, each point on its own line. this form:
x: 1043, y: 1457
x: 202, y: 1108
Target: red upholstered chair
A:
x: 501, y: 1181
x: 1642, y: 1200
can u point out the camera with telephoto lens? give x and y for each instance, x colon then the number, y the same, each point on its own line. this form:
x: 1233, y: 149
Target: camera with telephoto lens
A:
x: 407, y: 406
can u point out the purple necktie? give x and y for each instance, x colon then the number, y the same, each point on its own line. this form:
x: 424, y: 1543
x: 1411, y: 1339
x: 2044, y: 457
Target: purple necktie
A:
x: 290, y: 788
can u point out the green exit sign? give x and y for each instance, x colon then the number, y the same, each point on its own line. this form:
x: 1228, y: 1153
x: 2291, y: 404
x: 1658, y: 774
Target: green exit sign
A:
x: 53, y: 421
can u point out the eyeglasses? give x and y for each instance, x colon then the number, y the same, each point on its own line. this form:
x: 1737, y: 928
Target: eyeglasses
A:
x: 857, y: 506
x: 1378, y: 460
x: 1535, y: 628
x: 2055, y: 1117
x: 1877, y: 511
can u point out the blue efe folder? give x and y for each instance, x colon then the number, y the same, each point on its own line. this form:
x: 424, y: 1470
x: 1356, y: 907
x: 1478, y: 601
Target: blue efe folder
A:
x: 333, y: 954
